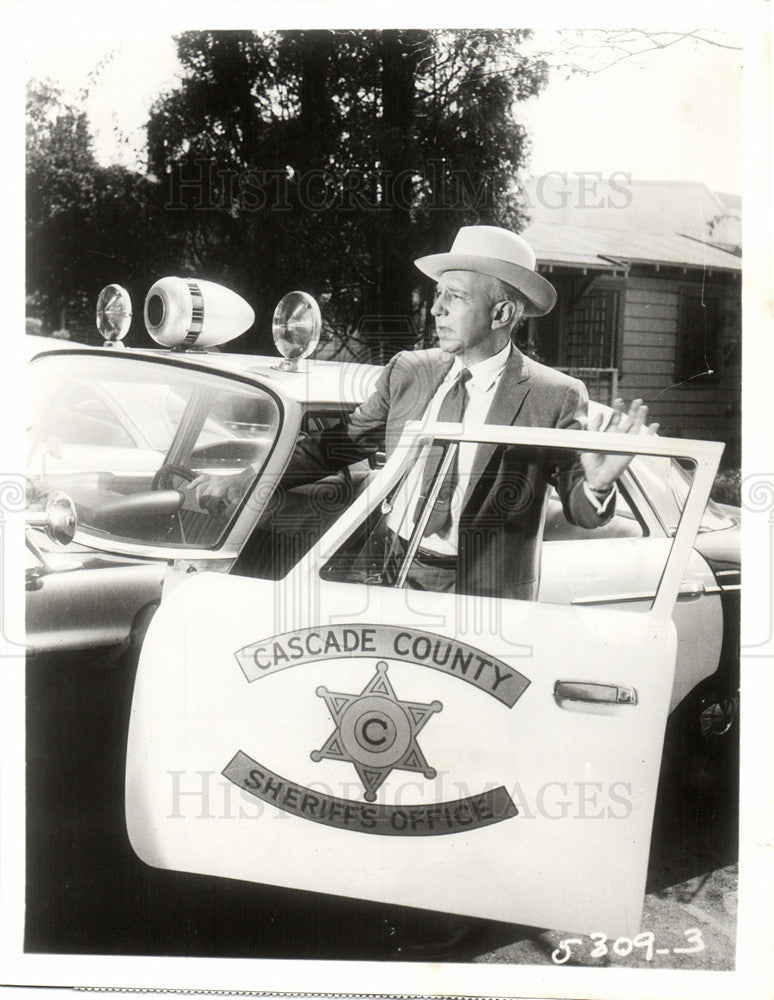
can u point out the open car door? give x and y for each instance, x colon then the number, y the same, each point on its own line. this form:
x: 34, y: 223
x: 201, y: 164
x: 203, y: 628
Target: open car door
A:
x: 336, y: 732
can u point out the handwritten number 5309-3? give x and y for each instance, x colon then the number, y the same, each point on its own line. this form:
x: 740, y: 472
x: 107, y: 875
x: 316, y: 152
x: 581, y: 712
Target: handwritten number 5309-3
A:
x: 624, y: 946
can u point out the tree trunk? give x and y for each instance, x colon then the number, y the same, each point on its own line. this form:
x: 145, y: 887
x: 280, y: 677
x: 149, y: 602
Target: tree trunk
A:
x: 395, y: 272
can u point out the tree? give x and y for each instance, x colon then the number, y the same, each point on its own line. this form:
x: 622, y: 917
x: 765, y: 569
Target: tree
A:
x: 593, y: 50
x: 87, y: 225
x: 329, y: 160
x: 60, y: 196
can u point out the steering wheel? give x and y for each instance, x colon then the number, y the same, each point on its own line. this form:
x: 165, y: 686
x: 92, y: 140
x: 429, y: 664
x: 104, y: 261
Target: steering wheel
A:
x: 162, y: 480
x: 163, y: 477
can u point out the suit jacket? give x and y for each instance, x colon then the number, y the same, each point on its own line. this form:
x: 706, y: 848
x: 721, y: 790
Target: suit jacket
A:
x: 501, y: 523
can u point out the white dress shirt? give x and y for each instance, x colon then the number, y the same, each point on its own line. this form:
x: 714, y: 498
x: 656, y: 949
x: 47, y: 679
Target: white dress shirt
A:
x: 480, y: 389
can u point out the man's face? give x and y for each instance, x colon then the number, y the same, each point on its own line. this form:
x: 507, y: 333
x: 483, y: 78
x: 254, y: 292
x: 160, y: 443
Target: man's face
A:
x: 463, y: 316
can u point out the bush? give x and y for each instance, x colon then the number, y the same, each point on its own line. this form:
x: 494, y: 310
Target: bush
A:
x: 727, y: 487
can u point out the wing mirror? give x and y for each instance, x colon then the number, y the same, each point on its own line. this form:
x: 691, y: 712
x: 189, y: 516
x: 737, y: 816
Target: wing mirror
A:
x: 57, y: 517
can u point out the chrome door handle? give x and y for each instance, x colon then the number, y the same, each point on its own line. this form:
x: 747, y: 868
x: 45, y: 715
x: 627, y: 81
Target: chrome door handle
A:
x: 691, y: 588
x: 589, y: 691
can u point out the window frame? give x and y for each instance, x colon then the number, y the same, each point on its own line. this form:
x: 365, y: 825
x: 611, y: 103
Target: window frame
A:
x: 692, y: 361
x: 705, y: 455
x: 244, y: 519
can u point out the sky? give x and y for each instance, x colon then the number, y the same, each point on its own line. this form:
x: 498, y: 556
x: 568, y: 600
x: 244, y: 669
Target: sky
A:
x: 674, y: 114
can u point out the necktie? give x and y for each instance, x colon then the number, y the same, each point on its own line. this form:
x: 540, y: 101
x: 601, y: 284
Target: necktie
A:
x: 452, y: 410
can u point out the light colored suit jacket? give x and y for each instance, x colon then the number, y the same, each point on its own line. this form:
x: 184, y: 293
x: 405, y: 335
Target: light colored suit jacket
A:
x: 503, y: 512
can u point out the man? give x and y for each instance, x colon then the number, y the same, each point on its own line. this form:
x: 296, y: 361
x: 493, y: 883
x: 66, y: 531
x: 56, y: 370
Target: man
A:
x: 489, y: 542
x: 483, y: 537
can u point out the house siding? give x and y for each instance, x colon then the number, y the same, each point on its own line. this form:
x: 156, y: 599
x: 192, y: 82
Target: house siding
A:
x: 704, y: 407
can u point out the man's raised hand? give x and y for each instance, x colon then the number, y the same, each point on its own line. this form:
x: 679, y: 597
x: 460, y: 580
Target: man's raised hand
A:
x: 602, y: 470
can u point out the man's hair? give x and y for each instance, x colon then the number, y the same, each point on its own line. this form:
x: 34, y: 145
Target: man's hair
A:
x: 499, y: 291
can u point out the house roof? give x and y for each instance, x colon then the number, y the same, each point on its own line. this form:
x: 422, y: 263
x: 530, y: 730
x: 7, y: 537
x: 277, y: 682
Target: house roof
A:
x: 611, y: 249
x: 732, y: 202
x: 581, y: 220
x: 620, y: 202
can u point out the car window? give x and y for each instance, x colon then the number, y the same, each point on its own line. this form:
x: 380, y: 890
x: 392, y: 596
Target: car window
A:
x: 315, y: 419
x: 625, y: 523
x: 86, y: 418
x: 125, y: 437
x: 667, y: 482
x: 299, y: 516
x: 501, y: 550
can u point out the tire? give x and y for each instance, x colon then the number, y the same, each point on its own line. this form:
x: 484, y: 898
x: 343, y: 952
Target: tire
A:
x: 703, y: 735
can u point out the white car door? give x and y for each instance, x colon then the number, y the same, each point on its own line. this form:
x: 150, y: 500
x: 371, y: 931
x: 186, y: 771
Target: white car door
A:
x: 474, y: 755
x: 621, y: 565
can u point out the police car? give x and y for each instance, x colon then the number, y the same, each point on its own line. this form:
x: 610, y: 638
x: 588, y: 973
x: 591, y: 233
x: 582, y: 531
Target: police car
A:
x: 471, y: 755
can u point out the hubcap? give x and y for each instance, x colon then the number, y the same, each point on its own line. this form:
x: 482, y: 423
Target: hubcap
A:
x: 717, y: 718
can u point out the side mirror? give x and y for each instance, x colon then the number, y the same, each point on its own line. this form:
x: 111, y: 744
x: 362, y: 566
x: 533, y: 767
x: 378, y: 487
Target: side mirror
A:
x: 58, y: 519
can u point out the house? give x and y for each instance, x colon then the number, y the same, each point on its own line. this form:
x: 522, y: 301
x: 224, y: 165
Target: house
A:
x: 649, y: 283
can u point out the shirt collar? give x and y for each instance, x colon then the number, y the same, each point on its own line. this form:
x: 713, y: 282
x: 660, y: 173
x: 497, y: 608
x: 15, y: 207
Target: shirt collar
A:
x: 483, y: 373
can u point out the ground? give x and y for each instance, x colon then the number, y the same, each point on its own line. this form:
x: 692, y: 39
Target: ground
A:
x: 698, y: 915
x: 690, y: 903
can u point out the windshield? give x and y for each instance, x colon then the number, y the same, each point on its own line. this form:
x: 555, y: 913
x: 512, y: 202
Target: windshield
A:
x: 124, y: 438
x: 668, y: 484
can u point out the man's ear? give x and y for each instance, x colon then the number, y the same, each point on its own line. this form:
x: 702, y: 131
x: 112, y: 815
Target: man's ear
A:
x: 503, y: 314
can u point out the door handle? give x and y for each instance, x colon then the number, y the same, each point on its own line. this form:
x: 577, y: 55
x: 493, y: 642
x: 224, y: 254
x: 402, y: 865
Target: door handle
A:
x: 691, y: 589
x: 591, y: 692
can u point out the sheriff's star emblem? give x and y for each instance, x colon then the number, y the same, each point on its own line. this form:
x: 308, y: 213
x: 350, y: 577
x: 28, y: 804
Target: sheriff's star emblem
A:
x: 376, y: 732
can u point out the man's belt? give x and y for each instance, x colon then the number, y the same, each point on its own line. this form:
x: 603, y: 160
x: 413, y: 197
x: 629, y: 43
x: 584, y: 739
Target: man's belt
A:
x: 435, y: 559
x: 396, y: 546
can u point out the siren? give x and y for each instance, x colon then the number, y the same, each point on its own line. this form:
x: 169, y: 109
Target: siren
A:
x: 188, y: 312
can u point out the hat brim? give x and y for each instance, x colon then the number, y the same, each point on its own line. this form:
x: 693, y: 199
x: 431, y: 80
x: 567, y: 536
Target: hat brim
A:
x: 540, y: 294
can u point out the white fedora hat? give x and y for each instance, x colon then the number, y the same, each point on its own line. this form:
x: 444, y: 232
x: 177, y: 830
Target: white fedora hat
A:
x: 500, y: 254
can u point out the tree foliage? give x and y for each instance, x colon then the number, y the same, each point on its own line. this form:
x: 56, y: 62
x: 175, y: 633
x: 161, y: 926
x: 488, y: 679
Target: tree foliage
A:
x: 329, y: 160
x: 60, y: 196
x: 322, y: 160
x: 86, y: 225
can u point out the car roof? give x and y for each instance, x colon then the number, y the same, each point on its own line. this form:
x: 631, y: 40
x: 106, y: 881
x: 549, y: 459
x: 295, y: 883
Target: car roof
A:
x: 333, y: 382
x: 35, y: 345
x: 316, y: 381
